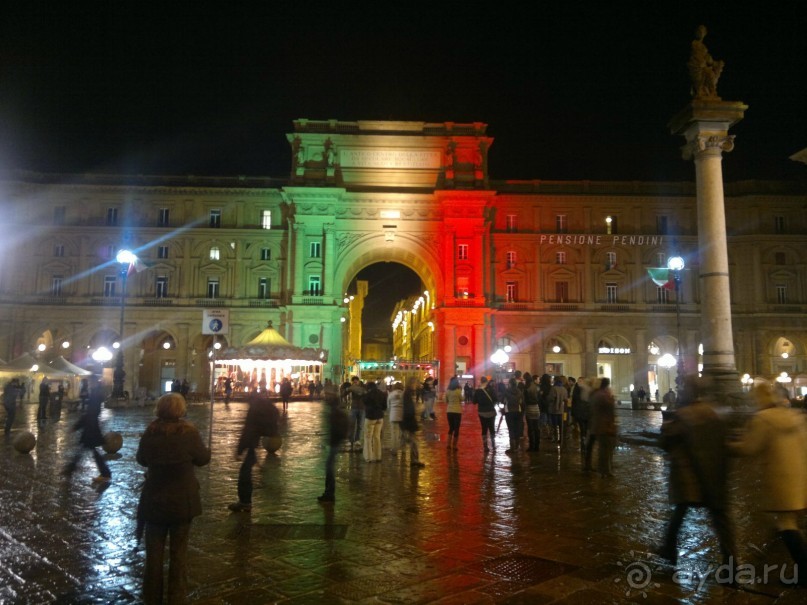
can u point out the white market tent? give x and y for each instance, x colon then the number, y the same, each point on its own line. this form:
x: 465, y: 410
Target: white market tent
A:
x: 60, y: 363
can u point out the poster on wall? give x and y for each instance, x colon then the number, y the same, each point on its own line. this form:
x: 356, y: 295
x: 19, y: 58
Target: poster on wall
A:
x: 215, y: 321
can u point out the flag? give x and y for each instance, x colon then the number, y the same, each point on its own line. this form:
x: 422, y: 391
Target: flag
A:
x: 136, y: 266
x: 662, y: 277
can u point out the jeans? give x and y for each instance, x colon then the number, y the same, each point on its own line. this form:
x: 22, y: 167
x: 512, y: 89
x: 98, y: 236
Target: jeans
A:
x: 428, y: 406
x: 330, y: 471
x: 454, y: 420
x: 356, y: 419
x: 372, y: 439
x: 245, y: 477
x: 11, y: 411
x: 515, y: 425
x: 409, y: 438
x: 534, y: 433
x: 156, y: 536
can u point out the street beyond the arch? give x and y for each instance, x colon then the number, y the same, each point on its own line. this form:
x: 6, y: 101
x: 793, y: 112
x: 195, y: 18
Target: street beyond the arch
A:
x: 470, y: 527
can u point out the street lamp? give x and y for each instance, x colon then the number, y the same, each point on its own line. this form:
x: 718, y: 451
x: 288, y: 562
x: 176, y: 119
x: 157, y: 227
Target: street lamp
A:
x: 676, y: 264
x: 126, y: 259
x: 499, y: 358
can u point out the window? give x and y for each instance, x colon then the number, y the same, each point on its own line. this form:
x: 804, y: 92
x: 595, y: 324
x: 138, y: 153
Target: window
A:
x: 781, y: 293
x: 109, y: 285
x: 462, y: 252
x: 560, y: 223
x: 662, y: 295
x: 610, y: 260
x: 212, y: 287
x: 264, y: 287
x: 511, y: 259
x: 314, y: 250
x: 161, y: 287
x: 162, y: 252
x: 266, y: 219
x: 215, y: 219
x: 111, y: 216
x: 611, y: 224
x: 58, y: 250
x: 511, y: 290
x: 314, y: 285
x: 661, y: 225
x: 463, y: 287
x: 610, y: 292
x: 56, y: 285
x: 58, y: 215
x: 560, y: 258
x: 511, y: 223
x: 163, y: 218
x: 779, y: 224
x: 108, y: 252
x: 562, y: 291
x: 661, y: 259
x: 215, y: 253
x: 266, y: 254
x: 779, y: 258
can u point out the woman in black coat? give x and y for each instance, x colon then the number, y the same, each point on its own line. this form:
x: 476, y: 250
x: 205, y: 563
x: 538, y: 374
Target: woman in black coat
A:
x: 169, y: 448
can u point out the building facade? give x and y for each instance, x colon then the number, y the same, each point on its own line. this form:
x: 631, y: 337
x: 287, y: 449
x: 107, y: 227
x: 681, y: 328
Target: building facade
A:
x: 557, y: 271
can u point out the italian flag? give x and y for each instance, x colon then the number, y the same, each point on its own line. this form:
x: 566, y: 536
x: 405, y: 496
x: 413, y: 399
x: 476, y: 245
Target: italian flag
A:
x: 662, y: 277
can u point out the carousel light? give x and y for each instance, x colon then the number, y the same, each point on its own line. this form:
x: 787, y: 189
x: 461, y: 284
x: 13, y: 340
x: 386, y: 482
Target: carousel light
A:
x: 41, y: 347
x: 66, y: 344
x: 217, y: 345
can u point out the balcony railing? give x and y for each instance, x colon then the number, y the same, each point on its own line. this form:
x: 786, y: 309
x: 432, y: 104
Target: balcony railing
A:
x: 269, y: 303
x: 211, y: 302
x: 159, y: 301
x: 615, y: 308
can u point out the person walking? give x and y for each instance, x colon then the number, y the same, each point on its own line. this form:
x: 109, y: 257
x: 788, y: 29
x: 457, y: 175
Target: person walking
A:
x: 695, y: 440
x: 357, y: 392
x: 532, y: 413
x: 468, y: 391
x: 409, y: 424
x: 777, y: 437
x: 375, y: 404
x: 485, y: 400
x: 338, y: 426
x: 285, y: 393
x: 169, y: 449
x: 513, y: 414
x: 429, y: 395
x: 581, y: 409
x: 556, y: 404
x: 260, y: 421
x: 395, y: 403
x: 603, y: 428
x: 44, y: 400
x: 91, y: 436
x: 228, y: 390
x: 454, y: 398
x: 10, y: 393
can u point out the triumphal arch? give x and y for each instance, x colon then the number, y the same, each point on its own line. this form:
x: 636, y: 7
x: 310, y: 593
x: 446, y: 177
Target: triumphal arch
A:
x: 405, y: 192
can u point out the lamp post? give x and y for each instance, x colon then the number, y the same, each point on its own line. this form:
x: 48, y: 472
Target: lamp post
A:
x: 125, y: 258
x: 676, y: 264
x: 499, y: 358
x: 667, y: 361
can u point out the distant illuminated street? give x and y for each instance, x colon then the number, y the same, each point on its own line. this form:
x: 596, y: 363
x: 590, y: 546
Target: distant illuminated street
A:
x: 468, y: 528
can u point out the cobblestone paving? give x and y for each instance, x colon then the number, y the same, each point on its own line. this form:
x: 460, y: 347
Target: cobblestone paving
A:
x: 468, y: 528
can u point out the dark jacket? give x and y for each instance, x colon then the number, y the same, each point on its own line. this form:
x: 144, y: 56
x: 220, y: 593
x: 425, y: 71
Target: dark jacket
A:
x: 695, y: 438
x: 375, y: 403
x: 410, y: 421
x: 91, y: 435
x: 338, y: 424
x: 261, y: 421
x: 170, y: 450
x: 581, y: 407
x: 485, y: 399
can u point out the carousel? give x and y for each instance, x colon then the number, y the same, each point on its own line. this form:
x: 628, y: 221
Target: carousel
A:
x: 265, y: 361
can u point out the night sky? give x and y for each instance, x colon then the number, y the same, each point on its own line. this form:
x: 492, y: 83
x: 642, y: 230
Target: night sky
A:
x: 570, y: 90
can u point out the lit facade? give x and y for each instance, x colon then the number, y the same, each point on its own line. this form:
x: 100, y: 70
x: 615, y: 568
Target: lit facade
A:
x: 556, y: 270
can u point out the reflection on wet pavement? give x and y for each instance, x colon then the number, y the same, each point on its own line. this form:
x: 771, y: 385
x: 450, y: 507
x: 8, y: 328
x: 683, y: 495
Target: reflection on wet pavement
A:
x: 468, y: 528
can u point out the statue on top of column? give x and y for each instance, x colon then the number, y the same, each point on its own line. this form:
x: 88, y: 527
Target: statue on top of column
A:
x: 703, y: 69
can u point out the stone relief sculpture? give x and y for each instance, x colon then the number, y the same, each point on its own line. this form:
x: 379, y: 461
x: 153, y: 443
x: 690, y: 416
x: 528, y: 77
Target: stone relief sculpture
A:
x: 703, y: 69
x: 330, y: 154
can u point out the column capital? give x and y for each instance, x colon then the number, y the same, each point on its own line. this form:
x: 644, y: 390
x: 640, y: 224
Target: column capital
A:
x: 707, y: 145
x: 705, y: 126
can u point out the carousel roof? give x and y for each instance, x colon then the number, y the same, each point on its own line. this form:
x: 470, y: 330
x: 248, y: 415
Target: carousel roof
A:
x: 60, y: 363
x: 269, y: 345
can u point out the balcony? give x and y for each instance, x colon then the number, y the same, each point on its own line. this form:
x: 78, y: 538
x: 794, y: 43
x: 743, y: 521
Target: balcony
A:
x: 264, y: 303
x: 211, y: 302
x: 563, y: 307
x: 160, y: 301
x: 612, y: 308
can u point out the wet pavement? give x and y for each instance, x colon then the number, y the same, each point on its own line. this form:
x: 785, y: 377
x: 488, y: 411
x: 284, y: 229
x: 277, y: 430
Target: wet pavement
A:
x: 468, y: 528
